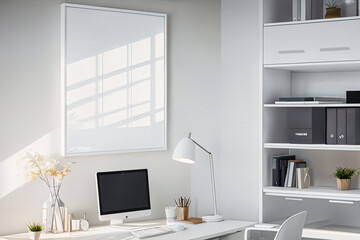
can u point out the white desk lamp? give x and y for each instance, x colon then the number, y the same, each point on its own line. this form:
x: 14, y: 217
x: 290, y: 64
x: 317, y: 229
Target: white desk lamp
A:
x: 185, y: 152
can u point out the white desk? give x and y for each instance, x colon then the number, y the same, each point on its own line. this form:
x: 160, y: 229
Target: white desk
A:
x: 310, y: 233
x: 200, y: 231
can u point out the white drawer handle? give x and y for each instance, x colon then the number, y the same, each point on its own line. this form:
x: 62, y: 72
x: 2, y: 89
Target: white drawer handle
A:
x: 291, y: 51
x: 334, y: 49
x: 342, y: 202
x: 294, y: 199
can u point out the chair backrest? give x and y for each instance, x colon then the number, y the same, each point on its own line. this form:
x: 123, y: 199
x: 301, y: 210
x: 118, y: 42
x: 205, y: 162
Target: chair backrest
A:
x: 292, y: 228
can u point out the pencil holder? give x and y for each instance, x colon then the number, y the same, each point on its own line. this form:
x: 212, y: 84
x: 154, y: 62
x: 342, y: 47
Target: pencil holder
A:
x: 183, y: 213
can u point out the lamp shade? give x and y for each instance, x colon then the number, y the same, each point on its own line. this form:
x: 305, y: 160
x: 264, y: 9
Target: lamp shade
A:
x: 185, y: 151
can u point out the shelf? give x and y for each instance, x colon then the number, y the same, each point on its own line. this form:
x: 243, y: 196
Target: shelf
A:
x: 312, y: 146
x: 311, y: 21
x: 272, y: 105
x: 341, y: 66
x: 314, y: 192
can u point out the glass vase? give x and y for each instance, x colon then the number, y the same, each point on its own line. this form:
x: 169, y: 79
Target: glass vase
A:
x: 54, y: 211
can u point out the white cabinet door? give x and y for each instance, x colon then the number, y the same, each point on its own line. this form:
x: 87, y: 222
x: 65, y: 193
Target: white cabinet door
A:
x: 312, y: 42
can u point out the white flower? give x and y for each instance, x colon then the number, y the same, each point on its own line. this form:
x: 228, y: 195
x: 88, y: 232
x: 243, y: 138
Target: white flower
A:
x: 34, y: 164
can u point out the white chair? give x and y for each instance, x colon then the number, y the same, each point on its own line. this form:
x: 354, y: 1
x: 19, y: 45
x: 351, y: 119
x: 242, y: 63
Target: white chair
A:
x: 291, y: 229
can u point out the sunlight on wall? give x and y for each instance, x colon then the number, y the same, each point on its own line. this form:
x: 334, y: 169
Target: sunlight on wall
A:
x: 115, y: 99
x: 114, y: 60
x: 141, y: 96
x: 141, y: 51
x: 82, y: 89
x: 81, y: 71
x: 159, y: 78
x: 116, y: 88
x: 159, y: 45
x: 10, y: 179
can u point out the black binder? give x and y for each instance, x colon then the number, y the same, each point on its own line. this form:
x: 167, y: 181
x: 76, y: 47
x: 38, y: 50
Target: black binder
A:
x: 283, y: 169
x: 341, y: 125
x: 353, y: 126
x: 275, y: 172
x: 331, y: 134
x: 279, y: 170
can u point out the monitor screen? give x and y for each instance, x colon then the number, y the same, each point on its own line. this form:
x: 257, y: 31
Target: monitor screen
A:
x: 123, y: 191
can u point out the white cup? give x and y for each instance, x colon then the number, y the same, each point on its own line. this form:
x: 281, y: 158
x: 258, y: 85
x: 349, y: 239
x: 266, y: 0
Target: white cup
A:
x: 170, y: 213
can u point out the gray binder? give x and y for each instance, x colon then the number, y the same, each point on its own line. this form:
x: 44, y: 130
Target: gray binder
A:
x: 296, y: 6
x: 331, y: 134
x: 341, y: 125
x: 312, y: 9
x: 353, y: 126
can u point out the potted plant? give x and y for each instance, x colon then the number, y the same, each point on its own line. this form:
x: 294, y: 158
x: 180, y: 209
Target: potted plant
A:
x: 332, y: 10
x: 34, y: 230
x: 343, y: 177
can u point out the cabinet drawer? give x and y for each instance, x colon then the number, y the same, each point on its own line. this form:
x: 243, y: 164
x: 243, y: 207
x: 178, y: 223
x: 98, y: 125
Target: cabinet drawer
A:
x: 312, y: 42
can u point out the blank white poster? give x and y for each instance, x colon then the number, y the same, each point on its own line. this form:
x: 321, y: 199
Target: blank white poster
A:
x: 113, y: 80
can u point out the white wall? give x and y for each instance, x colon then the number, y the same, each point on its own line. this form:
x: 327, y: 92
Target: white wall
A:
x: 30, y: 103
x: 238, y: 162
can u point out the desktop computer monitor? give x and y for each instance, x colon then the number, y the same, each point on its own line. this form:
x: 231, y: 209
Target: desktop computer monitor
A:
x: 123, y: 195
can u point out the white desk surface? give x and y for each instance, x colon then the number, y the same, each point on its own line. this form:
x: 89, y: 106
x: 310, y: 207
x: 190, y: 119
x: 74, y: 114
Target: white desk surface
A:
x: 192, y: 232
x: 317, y: 233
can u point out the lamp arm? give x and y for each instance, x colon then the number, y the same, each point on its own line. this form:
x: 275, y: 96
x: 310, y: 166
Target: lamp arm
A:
x: 212, y: 174
x: 200, y: 146
x: 211, y: 171
x: 213, y: 182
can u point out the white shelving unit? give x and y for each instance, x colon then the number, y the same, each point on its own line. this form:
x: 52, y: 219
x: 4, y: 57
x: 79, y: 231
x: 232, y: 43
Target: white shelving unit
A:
x: 306, y: 61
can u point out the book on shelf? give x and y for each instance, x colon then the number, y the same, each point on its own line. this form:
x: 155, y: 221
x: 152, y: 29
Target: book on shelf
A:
x: 290, y: 173
x: 353, y: 126
x: 309, y: 100
x: 287, y: 176
x: 297, y: 164
x: 279, y: 169
x: 305, y: 102
x: 290, y: 180
x: 66, y: 225
x: 284, y: 168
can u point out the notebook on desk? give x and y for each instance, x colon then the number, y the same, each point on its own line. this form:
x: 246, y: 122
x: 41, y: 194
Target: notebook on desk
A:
x: 266, y: 225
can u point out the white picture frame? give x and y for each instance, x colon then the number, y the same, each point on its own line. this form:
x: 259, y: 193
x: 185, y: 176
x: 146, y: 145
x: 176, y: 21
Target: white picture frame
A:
x: 113, y: 80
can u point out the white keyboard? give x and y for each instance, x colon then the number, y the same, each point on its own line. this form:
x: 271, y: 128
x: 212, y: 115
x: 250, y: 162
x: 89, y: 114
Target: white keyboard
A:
x: 151, y: 232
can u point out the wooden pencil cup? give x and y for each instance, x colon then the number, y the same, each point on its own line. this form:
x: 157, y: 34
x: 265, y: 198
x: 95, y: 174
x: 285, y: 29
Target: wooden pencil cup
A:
x: 182, y: 213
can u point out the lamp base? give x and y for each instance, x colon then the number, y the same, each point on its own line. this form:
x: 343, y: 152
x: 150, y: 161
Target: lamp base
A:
x: 213, y: 218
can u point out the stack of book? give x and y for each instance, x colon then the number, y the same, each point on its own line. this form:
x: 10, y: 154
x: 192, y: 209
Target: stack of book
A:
x: 284, y: 170
x: 309, y: 100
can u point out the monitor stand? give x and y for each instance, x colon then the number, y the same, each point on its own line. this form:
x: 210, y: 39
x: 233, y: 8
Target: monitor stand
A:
x: 119, y: 223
